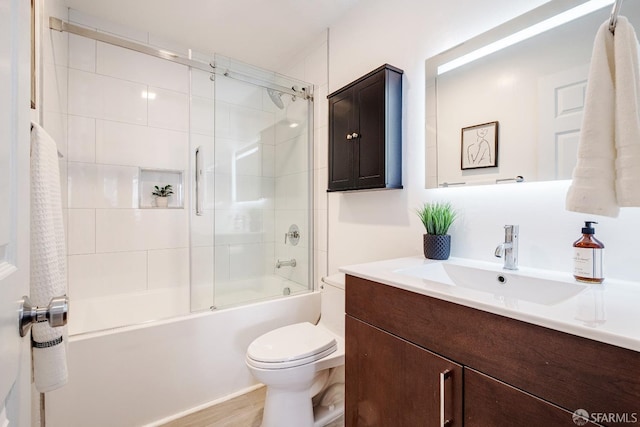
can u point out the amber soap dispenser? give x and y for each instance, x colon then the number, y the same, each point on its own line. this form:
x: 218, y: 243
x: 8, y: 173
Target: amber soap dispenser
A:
x: 587, y: 256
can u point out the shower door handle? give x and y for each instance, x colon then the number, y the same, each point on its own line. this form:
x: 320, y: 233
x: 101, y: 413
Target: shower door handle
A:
x: 199, y: 189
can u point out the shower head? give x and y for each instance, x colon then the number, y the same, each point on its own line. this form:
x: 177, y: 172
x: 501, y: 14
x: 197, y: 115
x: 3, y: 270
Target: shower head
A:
x: 276, y: 97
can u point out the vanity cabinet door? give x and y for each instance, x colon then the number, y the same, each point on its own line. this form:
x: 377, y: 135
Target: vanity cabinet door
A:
x: 489, y: 402
x: 365, y: 132
x: 392, y: 382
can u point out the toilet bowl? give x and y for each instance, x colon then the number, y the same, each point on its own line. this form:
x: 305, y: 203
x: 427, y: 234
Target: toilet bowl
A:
x: 294, y: 362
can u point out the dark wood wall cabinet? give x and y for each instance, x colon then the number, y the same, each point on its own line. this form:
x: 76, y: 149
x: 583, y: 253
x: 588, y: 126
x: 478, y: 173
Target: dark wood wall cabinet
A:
x: 365, y: 132
x: 414, y: 360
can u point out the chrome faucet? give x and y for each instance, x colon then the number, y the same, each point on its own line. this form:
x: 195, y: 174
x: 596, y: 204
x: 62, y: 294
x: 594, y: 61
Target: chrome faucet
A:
x: 289, y: 263
x: 509, y: 248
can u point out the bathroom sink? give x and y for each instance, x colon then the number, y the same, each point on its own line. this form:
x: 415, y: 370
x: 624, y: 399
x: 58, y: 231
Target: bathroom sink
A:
x: 510, y: 286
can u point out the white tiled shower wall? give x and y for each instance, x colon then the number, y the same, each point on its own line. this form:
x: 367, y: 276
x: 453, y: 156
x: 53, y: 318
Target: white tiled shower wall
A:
x: 125, y: 111
x: 119, y: 111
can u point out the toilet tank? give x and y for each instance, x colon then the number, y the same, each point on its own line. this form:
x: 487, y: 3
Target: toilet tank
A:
x: 332, y: 305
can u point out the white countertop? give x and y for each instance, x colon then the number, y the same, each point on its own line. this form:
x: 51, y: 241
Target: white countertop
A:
x: 609, y: 312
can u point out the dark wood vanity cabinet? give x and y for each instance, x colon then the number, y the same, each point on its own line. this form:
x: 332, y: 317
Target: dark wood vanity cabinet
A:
x: 489, y: 402
x: 392, y: 382
x: 403, y: 348
x: 365, y: 132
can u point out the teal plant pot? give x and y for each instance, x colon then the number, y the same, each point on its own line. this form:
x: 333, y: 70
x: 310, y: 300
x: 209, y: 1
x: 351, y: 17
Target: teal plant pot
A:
x: 437, y: 246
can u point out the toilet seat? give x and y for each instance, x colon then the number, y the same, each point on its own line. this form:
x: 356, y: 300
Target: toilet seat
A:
x: 291, y: 346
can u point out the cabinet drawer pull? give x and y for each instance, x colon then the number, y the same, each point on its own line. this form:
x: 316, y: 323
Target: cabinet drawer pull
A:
x: 443, y: 378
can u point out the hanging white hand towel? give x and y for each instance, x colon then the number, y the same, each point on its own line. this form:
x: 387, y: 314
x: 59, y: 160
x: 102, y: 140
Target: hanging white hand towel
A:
x: 627, y: 72
x: 593, y: 187
x: 48, y: 264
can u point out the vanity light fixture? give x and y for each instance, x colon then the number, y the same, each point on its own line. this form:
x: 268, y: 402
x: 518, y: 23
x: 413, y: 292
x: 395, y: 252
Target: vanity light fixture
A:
x: 534, y: 30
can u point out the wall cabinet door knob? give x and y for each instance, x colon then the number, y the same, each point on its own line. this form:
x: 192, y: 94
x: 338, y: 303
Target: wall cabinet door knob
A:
x: 349, y: 136
x: 355, y: 135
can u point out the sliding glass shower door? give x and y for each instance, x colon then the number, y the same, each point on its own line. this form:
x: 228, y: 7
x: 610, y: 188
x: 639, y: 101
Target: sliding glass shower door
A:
x: 134, y: 118
x: 252, y: 226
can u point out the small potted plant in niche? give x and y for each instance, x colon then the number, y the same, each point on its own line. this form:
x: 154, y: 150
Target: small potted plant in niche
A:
x: 162, y: 195
x: 437, y: 218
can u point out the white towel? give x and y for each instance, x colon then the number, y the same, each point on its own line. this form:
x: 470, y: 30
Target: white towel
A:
x: 627, y: 83
x: 48, y: 260
x: 593, y: 187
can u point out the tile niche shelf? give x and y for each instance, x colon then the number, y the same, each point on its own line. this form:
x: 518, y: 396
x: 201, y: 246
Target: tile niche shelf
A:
x: 149, y: 178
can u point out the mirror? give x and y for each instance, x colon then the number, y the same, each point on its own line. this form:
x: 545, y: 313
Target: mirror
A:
x: 530, y: 94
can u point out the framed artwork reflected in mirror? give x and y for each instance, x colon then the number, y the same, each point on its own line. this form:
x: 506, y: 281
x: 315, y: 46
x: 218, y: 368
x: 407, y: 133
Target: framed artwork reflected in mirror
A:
x: 479, y: 146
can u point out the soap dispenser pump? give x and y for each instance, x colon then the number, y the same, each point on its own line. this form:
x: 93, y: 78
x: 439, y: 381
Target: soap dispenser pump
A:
x: 588, y: 253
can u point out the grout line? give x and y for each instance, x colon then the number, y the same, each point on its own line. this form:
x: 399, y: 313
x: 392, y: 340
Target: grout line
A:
x: 95, y: 231
x: 147, y: 272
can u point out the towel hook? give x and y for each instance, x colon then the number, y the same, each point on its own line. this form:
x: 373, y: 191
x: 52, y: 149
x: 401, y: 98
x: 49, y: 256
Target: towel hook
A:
x: 613, y: 19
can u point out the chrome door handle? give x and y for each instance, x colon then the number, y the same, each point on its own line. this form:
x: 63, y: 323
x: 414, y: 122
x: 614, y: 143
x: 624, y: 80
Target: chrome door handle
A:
x: 55, y: 313
x: 443, y: 378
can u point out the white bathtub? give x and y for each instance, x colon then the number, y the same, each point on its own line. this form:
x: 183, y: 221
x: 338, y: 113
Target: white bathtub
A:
x: 135, y: 308
x: 139, y: 375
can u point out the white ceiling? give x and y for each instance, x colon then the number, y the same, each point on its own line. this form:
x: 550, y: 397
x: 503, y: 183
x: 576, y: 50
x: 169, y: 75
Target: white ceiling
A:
x: 265, y: 33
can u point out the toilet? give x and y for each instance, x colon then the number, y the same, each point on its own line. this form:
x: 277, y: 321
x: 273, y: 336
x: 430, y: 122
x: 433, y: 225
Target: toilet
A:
x: 295, y: 363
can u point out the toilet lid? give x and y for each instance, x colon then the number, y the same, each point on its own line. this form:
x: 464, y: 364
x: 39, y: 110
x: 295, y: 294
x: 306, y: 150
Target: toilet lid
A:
x: 291, y: 343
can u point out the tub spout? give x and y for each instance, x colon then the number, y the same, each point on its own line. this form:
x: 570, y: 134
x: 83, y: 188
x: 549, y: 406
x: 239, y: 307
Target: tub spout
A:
x: 288, y: 263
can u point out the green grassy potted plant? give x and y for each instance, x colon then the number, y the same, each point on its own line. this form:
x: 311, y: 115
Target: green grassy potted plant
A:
x: 437, y: 217
x: 162, y: 195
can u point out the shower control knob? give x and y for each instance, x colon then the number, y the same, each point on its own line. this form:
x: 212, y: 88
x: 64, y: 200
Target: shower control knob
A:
x: 293, y: 234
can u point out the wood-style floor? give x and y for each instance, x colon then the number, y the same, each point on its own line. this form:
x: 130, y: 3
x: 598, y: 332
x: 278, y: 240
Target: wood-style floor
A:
x: 242, y: 411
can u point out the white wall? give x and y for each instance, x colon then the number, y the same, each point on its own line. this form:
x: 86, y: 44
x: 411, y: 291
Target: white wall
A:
x: 377, y: 225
